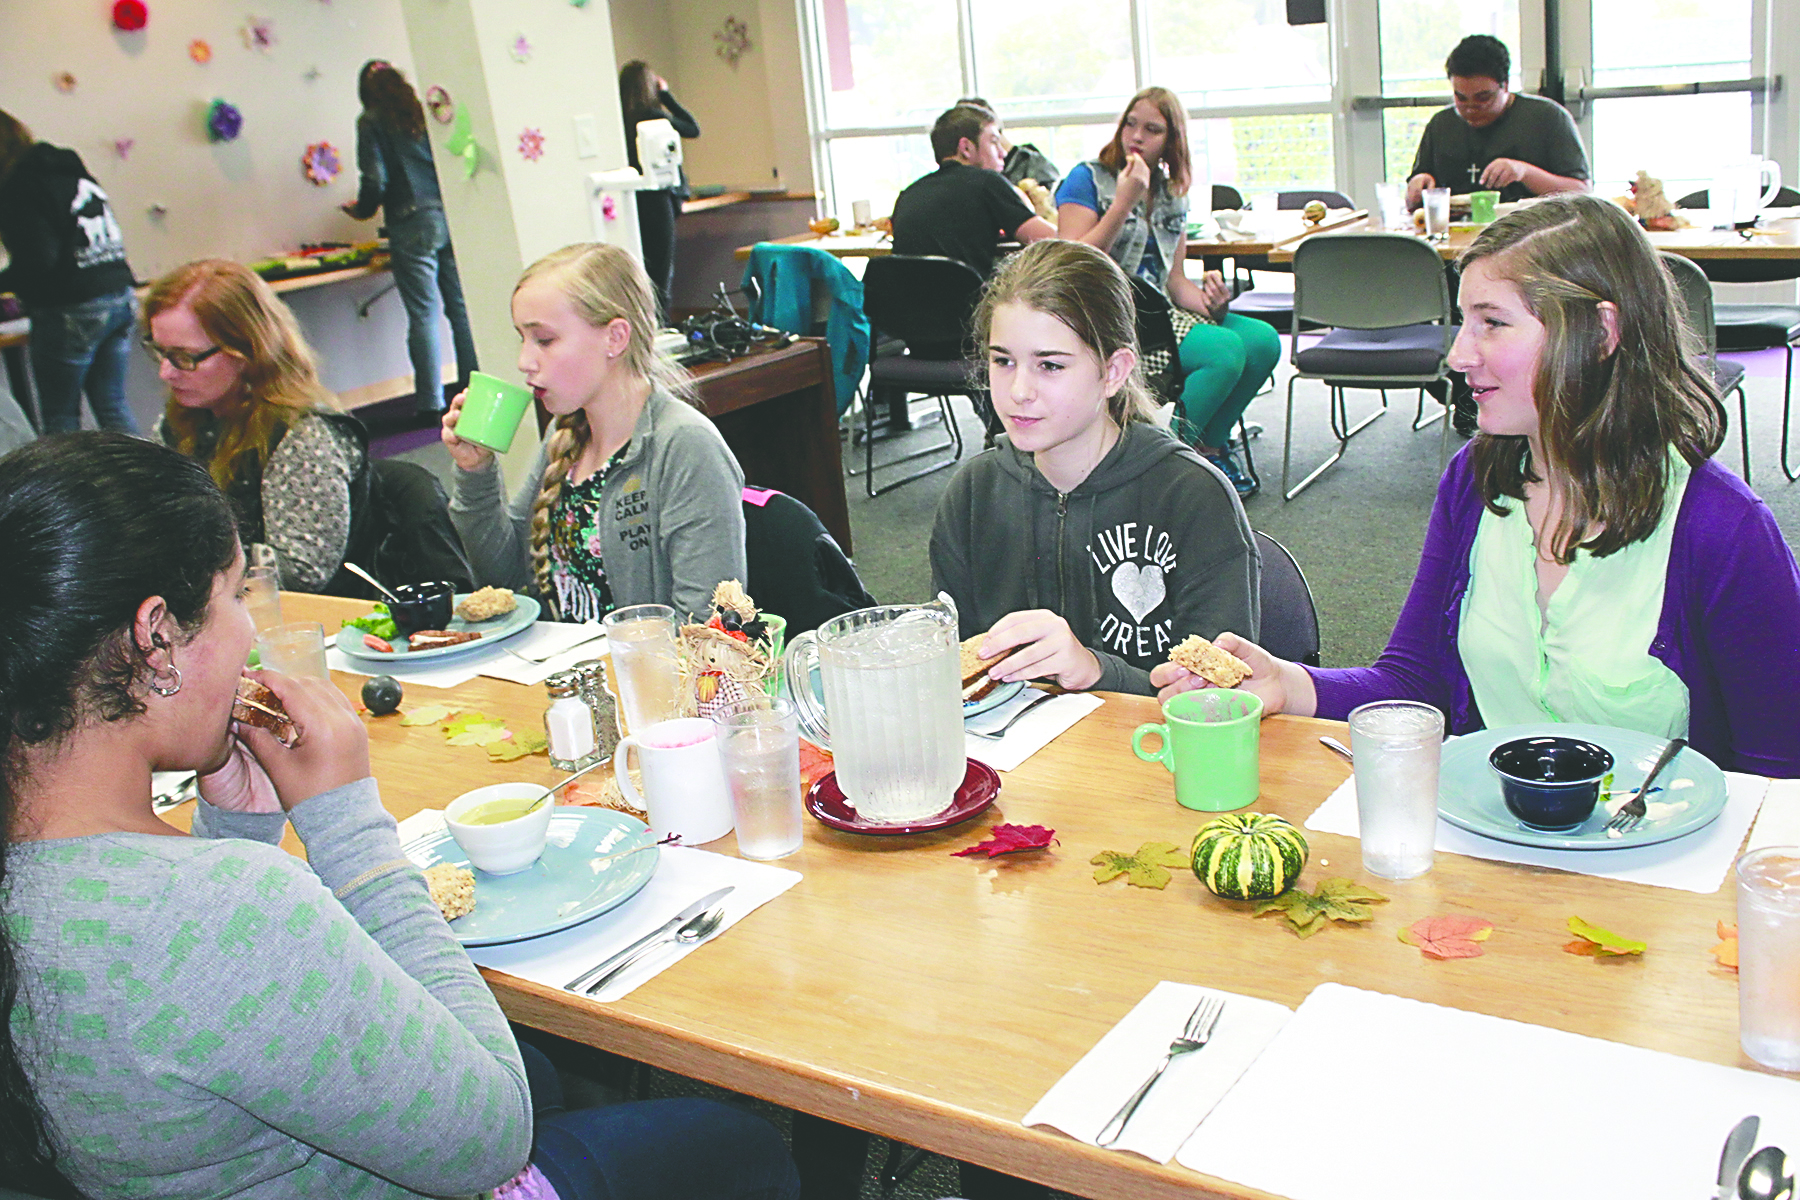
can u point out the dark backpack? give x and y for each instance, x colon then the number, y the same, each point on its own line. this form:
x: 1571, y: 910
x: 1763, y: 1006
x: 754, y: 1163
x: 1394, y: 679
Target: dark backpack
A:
x: 404, y: 534
x: 797, y: 569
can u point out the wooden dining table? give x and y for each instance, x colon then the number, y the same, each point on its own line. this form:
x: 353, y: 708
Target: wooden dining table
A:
x: 934, y: 999
x: 1775, y: 238
x: 848, y: 243
x: 1260, y: 233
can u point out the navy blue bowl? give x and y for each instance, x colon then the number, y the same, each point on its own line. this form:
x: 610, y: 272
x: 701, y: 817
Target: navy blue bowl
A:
x: 422, y: 606
x: 1550, y: 783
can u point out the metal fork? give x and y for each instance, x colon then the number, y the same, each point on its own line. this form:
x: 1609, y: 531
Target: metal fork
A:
x: 1198, y: 1032
x: 1633, y: 810
x: 996, y: 734
x: 538, y: 662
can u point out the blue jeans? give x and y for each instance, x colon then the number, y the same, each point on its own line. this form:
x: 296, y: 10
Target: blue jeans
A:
x: 82, y: 348
x: 424, y: 266
x: 654, y: 1149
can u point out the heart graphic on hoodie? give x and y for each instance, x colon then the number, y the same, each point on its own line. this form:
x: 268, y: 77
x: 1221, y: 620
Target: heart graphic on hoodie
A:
x: 1139, y: 589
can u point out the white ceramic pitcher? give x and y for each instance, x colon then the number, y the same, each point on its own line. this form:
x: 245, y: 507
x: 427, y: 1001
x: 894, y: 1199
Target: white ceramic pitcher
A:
x: 1741, y: 190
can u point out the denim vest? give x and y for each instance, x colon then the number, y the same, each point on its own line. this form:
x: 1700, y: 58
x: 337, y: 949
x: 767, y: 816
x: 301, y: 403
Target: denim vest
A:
x: 1168, y: 220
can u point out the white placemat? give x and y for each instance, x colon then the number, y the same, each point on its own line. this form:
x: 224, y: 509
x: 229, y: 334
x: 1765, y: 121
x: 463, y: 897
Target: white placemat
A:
x: 1082, y: 1102
x: 1779, y: 824
x: 1695, y: 863
x: 1035, y: 730
x: 567, y: 644
x: 1365, y: 1096
x: 434, y: 672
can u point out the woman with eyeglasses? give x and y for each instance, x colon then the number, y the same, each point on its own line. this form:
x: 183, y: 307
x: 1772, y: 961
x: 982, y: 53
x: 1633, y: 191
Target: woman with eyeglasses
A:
x: 245, y: 399
x: 67, y: 263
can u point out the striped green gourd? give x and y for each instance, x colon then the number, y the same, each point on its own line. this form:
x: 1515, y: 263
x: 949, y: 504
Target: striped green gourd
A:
x: 1248, y: 856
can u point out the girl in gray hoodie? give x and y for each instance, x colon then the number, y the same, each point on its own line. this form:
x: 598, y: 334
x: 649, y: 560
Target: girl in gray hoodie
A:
x: 1087, y: 541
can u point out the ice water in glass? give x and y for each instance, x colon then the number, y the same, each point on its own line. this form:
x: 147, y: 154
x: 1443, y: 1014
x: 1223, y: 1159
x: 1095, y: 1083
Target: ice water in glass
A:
x: 1396, y: 744
x: 262, y: 596
x: 1437, y: 214
x: 641, y: 640
x: 761, y: 751
x: 893, y: 693
x: 1769, y: 956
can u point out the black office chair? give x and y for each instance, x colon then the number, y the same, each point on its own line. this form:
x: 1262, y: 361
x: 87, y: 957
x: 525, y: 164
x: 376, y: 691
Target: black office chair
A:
x: 923, y: 302
x: 1277, y: 308
x: 1288, y: 617
x: 1758, y: 326
x: 1226, y: 196
x: 1728, y: 376
x: 1159, y: 357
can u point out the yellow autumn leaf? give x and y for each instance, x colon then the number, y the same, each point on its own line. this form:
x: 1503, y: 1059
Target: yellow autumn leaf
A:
x: 479, y: 735
x: 518, y: 746
x: 429, y: 714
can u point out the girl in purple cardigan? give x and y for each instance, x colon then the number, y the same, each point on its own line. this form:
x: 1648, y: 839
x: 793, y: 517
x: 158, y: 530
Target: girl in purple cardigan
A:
x: 1586, y: 560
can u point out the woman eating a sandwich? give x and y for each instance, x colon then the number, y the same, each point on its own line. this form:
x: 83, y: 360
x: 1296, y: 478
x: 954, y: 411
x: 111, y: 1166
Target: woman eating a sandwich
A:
x: 209, y: 1015
x: 1087, y: 541
x: 1587, y: 559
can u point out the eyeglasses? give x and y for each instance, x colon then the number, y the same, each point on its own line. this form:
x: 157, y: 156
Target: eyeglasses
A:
x: 175, y: 356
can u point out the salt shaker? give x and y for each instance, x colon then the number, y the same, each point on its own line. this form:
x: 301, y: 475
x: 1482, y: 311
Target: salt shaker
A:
x: 569, y: 723
x: 601, y: 704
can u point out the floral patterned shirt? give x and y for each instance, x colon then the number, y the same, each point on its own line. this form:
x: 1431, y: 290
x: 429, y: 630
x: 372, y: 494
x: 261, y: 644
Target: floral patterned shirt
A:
x: 577, y: 568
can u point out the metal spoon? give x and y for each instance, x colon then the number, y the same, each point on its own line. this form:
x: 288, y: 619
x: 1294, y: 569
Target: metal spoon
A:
x: 1762, y: 1177
x: 372, y: 581
x: 558, y: 785
x: 1338, y: 748
x: 695, y: 931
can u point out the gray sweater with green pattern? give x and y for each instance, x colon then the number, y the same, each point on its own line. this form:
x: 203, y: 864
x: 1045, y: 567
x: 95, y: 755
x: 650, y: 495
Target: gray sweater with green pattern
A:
x: 212, y: 1016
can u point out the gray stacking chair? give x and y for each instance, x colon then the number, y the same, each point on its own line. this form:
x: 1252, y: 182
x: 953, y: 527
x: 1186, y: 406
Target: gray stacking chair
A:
x: 1728, y: 376
x: 1388, y: 303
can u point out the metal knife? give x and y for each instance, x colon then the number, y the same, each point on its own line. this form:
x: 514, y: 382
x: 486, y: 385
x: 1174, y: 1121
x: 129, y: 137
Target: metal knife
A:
x: 679, y: 919
x: 1738, y: 1145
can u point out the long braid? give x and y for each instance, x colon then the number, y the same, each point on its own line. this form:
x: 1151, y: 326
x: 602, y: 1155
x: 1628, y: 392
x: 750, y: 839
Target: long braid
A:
x: 566, y: 446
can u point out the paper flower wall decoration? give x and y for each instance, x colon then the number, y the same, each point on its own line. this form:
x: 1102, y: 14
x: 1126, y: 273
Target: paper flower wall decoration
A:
x: 64, y: 81
x: 531, y: 144
x: 462, y: 143
x: 200, y: 50
x: 122, y: 146
x: 609, y: 207
x: 320, y: 162
x: 223, y: 121
x: 438, y: 104
x: 734, y: 40
x: 520, y: 48
x: 259, y: 33
x: 130, y: 15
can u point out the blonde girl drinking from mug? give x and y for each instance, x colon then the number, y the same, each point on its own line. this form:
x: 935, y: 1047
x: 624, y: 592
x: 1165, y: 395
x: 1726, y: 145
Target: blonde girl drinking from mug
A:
x: 634, y: 498
x: 1087, y: 541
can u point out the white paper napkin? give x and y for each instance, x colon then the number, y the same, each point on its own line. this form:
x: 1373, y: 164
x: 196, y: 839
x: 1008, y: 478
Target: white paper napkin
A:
x: 1035, y: 730
x: 433, y: 672
x: 683, y: 875
x: 1426, y: 1101
x: 1779, y: 824
x: 1695, y: 863
x: 566, y: 644
x: 1083, y: 1101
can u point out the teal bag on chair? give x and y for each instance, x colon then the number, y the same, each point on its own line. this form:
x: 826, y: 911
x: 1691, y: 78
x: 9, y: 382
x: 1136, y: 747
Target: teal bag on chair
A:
x: 786, y: 275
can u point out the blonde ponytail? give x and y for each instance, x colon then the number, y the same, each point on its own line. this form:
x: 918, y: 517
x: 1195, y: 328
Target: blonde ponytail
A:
x: 566, y: 444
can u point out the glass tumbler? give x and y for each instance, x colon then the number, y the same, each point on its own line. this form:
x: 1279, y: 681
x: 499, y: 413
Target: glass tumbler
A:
x: 641, y: 642
x: 1437, y: 214
x: 1396, y: 744
x: 297, y: 649
x: 1768, y: 904
x: 760, y: 745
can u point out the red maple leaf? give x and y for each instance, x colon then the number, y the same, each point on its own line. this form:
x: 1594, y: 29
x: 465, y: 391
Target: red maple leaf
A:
x: 1448, y: 937
x: 1009, y: 839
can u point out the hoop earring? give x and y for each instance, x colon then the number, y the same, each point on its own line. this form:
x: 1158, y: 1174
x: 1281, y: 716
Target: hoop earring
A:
x: 172, y: 688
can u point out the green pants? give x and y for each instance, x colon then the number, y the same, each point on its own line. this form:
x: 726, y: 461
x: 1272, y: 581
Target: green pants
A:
x: 1222, y: 367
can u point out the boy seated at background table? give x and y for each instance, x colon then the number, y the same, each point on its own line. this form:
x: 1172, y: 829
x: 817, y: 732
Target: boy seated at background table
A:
x: 965, y: 208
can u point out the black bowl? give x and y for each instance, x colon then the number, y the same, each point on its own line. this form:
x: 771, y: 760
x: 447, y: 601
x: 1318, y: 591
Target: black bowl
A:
x: 422, y: 606
x: 1550, y: 783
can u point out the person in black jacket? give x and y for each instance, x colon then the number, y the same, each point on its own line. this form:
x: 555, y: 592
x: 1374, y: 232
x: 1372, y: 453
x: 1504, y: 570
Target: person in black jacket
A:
x: 68, y: 266
x: 644, y: 96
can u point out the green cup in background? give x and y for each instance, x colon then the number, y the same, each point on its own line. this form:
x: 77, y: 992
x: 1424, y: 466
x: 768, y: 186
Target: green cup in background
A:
x: 1211, y: 740
x: 1482, y: 206
x: 491, y: 412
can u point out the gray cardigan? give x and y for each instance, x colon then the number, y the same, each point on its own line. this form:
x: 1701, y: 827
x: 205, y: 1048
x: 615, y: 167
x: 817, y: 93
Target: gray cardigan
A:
x: 677, y: 514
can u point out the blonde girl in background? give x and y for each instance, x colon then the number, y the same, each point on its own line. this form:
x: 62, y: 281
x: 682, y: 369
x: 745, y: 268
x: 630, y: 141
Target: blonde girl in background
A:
x: 246, y: 401
x: 634, y: 498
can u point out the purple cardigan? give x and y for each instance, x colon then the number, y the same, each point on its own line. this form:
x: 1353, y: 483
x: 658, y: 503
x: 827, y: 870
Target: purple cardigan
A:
x: 1730, y: 624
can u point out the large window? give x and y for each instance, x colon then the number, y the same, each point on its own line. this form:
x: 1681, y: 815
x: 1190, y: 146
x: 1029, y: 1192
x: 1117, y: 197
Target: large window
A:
x: 1416, y: 36
x: 1258, y: 91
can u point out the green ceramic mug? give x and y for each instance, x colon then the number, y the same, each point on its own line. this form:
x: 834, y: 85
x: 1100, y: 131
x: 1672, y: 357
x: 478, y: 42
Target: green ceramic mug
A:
x: 1210, y: 740
x: 491, y: 412
x: 1481, y: 207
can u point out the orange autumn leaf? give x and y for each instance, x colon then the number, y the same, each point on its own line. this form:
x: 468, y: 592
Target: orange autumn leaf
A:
x: 1727, y: 949
x: 1448, y: 937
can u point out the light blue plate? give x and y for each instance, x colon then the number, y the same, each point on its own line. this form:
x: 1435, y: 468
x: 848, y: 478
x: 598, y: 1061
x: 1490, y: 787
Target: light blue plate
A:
x: 994, y: 699
x: 350, y: 638
x: 1469, y: 791
x: 561, y: 889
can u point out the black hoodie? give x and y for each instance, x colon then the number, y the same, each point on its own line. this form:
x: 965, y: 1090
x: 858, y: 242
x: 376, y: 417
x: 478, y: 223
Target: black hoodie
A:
x: 59, y: 231
x: 1152, y: 546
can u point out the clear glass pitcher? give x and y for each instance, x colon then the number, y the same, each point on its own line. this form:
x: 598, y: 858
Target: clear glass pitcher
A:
x: 891, y: 713
x: 1742, y: 190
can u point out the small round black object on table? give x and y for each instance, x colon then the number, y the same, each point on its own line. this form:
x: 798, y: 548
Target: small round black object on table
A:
x: 381, y: 694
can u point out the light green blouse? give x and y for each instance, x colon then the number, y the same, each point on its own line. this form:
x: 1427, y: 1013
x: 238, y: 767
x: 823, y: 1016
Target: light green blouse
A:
x: 1585, y: 656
